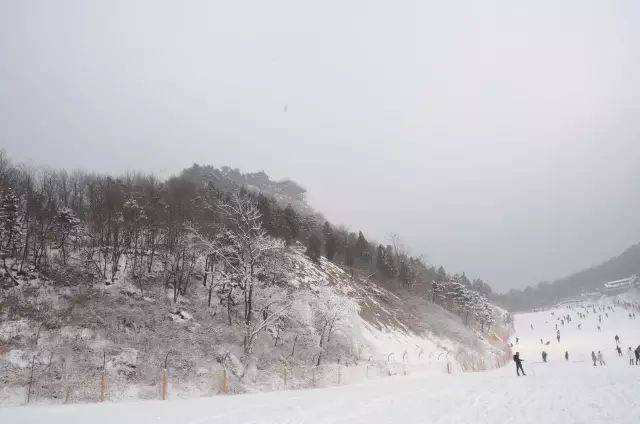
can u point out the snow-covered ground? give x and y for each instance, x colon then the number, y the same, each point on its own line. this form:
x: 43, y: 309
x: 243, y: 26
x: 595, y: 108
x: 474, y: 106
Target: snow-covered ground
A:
x: 559, y: 391
x: 577, y: 342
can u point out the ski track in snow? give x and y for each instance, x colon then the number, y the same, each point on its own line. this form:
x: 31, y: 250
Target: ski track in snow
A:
x: 555, y: 392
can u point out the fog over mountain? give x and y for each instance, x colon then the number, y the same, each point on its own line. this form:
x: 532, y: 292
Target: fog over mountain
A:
x: 498, y: 138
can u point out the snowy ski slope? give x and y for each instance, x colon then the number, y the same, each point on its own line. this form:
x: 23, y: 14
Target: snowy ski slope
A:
x: 578, y: 342
x: 560, y: 391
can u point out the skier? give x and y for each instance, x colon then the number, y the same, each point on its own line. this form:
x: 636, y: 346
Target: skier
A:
x: 600, y: 358
x: 517, y: 340
x: 544, y: 356
x: 637, y: 353
x: 518, y: 361
x: 593, y: 357
x: 617, y: 339
x: 566, y: 355
x: 619, y: 350
x: 631, y: 356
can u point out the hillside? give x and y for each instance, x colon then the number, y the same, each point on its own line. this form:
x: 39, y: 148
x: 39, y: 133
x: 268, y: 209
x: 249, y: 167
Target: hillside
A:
x: 565, y: 391
x: 212, y: 282
x: 64, y: 331
x: 585, y: 281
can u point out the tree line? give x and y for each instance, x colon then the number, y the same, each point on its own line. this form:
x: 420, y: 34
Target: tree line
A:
x: 190, y: 228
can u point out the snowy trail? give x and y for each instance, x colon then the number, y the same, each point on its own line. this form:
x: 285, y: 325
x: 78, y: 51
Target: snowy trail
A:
x: 556, y: 392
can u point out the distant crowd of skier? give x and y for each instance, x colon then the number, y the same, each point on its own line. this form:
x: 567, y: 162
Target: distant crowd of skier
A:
x: 597, y: 358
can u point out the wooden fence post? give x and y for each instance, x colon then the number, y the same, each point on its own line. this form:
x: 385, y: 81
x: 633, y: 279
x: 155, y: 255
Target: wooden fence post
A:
x: 313, y: 376
x: 164, y: 377
x: 164, y: 384
x: 284, y: 374
x: 225, y: 381
x: 103, y: 377
x: 33, y: 363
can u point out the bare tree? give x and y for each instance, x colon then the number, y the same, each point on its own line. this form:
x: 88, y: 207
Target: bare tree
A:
x: 329, y: 313
x: 246, y: 261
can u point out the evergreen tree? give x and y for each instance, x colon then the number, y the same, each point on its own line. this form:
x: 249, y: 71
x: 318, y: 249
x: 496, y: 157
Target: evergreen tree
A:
x: 441, y: 274
x: 405, y: 272
x: 329, y: 241
x: 384, y: 261
x: 264, y: 206
x: 10, y: 234
x: 481, y: 287
x: 291, y: 225
x: 66, y: 224
x: 314, y: 248
x: 349, y: 259
x: 362, y: 247
x: 380, y: 260
x: 9, y: 222
x: 437, y: 291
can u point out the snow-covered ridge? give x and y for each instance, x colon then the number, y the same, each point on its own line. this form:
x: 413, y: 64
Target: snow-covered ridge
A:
x: 57, y: 342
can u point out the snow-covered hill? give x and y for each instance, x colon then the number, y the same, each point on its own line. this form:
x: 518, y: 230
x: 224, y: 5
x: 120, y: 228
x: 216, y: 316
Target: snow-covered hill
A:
x: 617, y: 269
x: 56, y: 340
x: 559, y: 391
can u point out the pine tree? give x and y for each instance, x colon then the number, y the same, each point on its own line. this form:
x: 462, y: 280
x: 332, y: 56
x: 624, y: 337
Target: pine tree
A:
x: 437, y: 291
x: 384, y: 261
x: 314, y: 248
x: 349, y: 259
x: 380, y: 259
x: 9, y: 222
x: 66, y: 223
x: 362, y: 247
x: 330, y: 244
x: 441, y: 275
x: 10, y: 235
x: 264, y: 207
x: 291, y: 224
x: 405, y: 272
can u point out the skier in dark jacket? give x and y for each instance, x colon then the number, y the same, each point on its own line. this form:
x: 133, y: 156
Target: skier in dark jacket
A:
x: 544, y: 356
x: 566, y: 355
x: 593, y: 358
x: 518, y: 361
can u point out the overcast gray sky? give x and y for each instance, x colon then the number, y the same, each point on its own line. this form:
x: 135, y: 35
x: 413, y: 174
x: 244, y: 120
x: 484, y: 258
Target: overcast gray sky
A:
x: 498, y: 137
